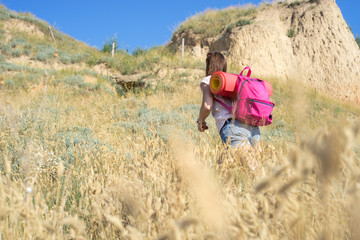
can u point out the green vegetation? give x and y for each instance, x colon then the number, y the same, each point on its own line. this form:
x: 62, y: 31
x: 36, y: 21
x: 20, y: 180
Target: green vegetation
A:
x: 357, y: 39
x: 45, y: 53
x: 291, y: 33
x: 293, y: 4
x: 211, y: 22
x: 239, y: 23
x: 139, y: 51
x: 107, y: 46
x: 39, y: 46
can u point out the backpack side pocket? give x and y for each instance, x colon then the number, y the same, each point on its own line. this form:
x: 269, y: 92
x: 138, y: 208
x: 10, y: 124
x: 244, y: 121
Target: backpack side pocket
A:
x: 258, y: 112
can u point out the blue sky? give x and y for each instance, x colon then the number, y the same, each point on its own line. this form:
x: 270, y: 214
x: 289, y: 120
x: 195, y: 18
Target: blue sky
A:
x: 137, y: 23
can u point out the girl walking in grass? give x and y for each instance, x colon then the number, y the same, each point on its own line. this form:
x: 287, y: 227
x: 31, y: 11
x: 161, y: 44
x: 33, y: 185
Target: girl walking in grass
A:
x: 231, y: 130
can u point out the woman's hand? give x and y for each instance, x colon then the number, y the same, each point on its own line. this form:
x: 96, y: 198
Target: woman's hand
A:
x: 205, y: 108
x: 201, y: 126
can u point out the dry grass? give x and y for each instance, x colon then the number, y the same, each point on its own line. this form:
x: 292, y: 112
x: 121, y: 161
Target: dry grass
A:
x: 212, y: 21
x: 78, y: 161
x: 77, y: 165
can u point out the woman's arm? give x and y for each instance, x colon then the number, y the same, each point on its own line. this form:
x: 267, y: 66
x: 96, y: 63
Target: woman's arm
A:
x: 206, y: 105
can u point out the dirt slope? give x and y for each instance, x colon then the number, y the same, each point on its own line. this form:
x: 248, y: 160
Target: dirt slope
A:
x: 322, y: 51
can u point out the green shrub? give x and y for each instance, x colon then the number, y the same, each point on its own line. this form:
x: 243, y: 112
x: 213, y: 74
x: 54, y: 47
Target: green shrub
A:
x: 357, y: 39
x: 16, y: 53
x: 26, y: 52
x: 89, y: 72
x: 45, y: 52
x: 92, y: 61
x: 77, y: 58
x: 291, y: 33
x: 2, y: 34
x: 139, y: 51
x: 6, y: 66
x: 22, y: 81
x: 2, y: 58
x: 82, y: 138
x: 72, y: 58
x: 107, y: 46
x: 73, y: 80
x: 19, y: 42
x: 64, y: 58
x: 77, y: 81
x: 9, y: 83
x: 4, y: 13
x: 6, y: 49
x: 239, y: 23
x: 294, y: 4
x: 19, y: 47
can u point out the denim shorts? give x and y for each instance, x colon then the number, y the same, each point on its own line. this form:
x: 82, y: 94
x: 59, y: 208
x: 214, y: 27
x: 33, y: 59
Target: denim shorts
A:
x: 238, y: 134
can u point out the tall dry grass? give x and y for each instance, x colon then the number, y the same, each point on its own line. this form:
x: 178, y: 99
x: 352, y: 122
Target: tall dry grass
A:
x: 93, y: 165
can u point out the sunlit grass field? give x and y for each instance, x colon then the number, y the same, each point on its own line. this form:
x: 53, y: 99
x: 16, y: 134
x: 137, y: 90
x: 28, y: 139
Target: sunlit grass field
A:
x: 82, y: 158
x: 83, y: 163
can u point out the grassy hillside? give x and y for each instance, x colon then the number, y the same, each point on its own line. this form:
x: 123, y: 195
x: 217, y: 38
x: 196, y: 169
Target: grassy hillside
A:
x: 80, y: 161
x: 211, y: 22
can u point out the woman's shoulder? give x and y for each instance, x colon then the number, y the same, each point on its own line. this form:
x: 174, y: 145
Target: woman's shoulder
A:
x: 206, y: 80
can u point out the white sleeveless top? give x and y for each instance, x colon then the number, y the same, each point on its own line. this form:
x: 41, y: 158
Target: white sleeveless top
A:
x: 219, y: 113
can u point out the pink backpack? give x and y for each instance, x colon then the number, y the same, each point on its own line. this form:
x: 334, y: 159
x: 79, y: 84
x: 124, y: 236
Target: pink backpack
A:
x: 252, y: 105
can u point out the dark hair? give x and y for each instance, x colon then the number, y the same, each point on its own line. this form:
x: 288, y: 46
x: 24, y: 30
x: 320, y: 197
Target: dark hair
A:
x: 215, y: 61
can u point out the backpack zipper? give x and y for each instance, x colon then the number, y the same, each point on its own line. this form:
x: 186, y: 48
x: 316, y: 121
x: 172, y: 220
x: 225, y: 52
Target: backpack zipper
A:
x: 242, y: 85
x: 261, y: 102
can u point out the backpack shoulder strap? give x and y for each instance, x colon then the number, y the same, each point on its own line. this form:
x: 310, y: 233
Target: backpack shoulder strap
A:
x: 224, y: 104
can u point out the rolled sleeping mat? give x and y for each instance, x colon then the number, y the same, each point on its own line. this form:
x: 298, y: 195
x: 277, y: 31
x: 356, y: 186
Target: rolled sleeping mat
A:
x: 223, y: 84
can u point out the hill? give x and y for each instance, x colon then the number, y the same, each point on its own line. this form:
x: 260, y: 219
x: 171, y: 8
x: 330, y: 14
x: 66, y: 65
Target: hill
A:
x: 308, y: 41
x: 83, y: 158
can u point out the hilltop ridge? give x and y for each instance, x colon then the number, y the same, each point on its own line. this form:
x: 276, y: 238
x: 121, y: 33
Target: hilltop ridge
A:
x: 308, y: 41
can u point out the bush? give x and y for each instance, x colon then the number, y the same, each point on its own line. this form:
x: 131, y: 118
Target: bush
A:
x: 9, y: 83
x: 357, y: 39
x: 21, y: 81
x: 26, y: 52
x: 139, y: 51
x: 239, y: 23
x: 80, y: 138
x: 45, y: 52
x: 19, y: 42
x: 291, y: 33
x: 6, y: 66
x: 65, y: 58
x: 2, y: 34
x: 16, y: 53
x: 294, y: 4
x: 73, y: 80
x: 4, y: 13
x: 71, y: 58
x: 2, y: 58
x: 77, y: 81
x: 107, y: 47
x: 68, y: 59
x: 6, y: 49
x: 88, y: 72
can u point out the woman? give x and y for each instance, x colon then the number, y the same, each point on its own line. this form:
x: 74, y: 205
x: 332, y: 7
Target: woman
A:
x: 231, y: 130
